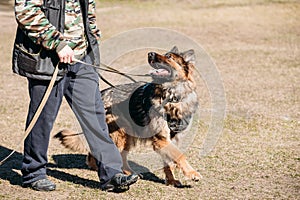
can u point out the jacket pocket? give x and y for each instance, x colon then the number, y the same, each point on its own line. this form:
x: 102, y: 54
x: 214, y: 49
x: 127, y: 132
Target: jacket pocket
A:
x: 28, y: 61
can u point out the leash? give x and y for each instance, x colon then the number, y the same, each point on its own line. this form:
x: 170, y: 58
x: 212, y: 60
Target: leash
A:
x: 112, y: 70
x: 37, y: 113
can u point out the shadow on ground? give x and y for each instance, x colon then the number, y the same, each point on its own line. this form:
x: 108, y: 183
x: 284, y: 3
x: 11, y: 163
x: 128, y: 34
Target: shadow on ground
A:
x: 77, y: 161
x: 9, y: 169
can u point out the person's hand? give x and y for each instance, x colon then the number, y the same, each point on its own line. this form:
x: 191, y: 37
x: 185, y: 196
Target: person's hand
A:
x: 66, y: 54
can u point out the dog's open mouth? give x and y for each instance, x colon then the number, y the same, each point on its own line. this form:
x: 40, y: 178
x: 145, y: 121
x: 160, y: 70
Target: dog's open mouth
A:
x: 160, y: 71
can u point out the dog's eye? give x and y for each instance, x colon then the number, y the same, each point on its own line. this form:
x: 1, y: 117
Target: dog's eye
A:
x: 169, y: 56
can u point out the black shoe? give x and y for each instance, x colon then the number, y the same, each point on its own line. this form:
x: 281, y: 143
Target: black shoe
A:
x: 120, y: 182
x: 41, y: 185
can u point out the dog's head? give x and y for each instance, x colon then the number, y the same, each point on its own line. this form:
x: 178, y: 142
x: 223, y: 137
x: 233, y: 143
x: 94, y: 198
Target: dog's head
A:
x: 172, y: 66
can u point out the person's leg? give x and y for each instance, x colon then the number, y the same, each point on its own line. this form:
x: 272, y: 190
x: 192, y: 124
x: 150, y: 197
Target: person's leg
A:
x: 84, y: 97
x: 36, y: 143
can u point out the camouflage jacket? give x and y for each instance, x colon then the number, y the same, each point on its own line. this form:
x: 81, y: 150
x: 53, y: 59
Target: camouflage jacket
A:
x: 41, y: 24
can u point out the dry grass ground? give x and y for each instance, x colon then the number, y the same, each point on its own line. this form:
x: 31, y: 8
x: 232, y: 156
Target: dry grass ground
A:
x: 255, y: 45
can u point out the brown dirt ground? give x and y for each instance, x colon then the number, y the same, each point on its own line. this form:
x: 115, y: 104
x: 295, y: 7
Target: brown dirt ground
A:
x: 255, y: 45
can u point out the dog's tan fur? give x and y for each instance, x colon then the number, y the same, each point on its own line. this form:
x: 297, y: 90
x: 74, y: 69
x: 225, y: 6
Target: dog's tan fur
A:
x: 173, y: 96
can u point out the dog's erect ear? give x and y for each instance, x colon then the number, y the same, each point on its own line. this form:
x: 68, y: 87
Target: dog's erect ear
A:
x: 189, y: 56
x: 175, y: 50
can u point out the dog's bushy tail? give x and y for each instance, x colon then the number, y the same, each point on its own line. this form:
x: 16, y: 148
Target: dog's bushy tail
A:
x: 73, y: 141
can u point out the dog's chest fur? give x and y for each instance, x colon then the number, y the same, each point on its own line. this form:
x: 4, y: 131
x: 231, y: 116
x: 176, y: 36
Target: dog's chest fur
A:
x: 167, y: 103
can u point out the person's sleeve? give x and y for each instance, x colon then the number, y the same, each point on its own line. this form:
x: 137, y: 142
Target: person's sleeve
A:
x: 32, y: 20
x: 92, y: 19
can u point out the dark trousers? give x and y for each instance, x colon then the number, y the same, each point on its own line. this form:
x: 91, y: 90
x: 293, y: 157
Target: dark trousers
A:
x: 80, y: 87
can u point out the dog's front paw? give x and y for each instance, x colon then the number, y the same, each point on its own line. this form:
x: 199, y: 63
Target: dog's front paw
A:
x: 193, y: 175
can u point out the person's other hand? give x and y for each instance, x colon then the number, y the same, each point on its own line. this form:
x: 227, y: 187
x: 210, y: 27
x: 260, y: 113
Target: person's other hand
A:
x: 66, y: 54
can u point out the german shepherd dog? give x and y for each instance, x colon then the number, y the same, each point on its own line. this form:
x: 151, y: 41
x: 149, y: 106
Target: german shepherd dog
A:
x: 157, y: 112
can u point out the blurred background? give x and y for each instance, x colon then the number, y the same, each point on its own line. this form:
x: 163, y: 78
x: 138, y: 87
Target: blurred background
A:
x: 254, y: 45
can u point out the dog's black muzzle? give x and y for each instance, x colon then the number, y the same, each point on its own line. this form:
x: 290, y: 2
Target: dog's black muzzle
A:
x: 151, y: 57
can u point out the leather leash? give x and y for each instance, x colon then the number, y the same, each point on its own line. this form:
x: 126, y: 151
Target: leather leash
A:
x: 111, y: 70
x: 37, y: 113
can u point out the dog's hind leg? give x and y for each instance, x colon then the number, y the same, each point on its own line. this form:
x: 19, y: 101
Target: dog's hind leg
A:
x: 91, y: 162
x: 126, y: 168
x: 169, y: 172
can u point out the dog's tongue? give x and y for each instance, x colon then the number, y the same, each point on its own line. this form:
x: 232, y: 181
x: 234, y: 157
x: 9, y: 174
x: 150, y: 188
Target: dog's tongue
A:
x: 159, y: 72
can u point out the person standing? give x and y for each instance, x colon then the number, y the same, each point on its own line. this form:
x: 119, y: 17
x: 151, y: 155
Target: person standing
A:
x: 51, y: 33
